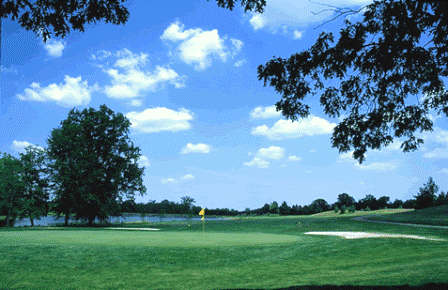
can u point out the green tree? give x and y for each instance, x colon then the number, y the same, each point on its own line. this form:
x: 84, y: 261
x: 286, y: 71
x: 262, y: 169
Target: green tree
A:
x: 319, y: 205
x: 397, y: 53
x: 345, y: 199
x: 273, y: 208
x: 427, y: 195
x: 36, y: 183
x: 383, y: 202
x: 442, y: 199
x: 369, y: 201
x: 187, y: 202
x: 284, y: 209
x: 94, y: 164
x: 11, y: 188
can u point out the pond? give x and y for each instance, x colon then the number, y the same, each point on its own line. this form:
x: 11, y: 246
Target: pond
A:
x: 52, y: 220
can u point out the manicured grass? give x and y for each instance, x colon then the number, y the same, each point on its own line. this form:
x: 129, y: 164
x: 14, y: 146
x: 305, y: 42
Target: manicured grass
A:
x: 250, y: 253
x: 437, y: 215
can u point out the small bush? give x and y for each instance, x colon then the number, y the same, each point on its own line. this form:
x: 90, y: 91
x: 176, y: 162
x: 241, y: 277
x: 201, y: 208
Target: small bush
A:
x: 367, y: 209
x: 336, y: 209
x: 343, y: 209
x: 351, y: 209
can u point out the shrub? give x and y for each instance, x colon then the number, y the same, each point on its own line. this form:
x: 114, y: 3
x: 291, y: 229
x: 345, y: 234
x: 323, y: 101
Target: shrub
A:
x: 351, y: 209
x: 343, y: 209
x: 367, y: 209
x: 336, y: 209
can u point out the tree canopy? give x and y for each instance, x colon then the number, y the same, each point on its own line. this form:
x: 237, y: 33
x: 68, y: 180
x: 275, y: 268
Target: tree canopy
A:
x: 389, y: 69
x: 94, y: 164
x: 45, y: 17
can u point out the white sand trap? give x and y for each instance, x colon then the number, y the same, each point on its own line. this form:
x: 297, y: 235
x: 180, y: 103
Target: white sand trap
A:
x: 134, y: 229
x: 359, y: 235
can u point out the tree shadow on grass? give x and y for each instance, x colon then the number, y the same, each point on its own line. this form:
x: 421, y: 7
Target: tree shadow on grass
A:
x: 432, y: 286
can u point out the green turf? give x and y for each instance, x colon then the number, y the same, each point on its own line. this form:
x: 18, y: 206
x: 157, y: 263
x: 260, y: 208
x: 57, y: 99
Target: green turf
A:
x: 437, y: 215
x: 250, y: 253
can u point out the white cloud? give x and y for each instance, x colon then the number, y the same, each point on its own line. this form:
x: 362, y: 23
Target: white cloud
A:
x: 73, y: 93
x: 54, y: 48
x: 4, y: 70
x: 265, y: 112
x: 437, y: 153
x: 130, y: 78
x: 257, y: 21
x: 188, y: 176
x: 312, y: 150
x: 160, y: 119
x: 347, y: 156
x: 200, y: 47
x: 167, y: 180
x: 297, y: 34
x: 198, y: 148
x: 444, y: 170
x: 239, y: 63
x: 19, y: 146
x: 257, y: 162
x: 294, y: 158
x: 294, y: 13
x: 271, y: 152
x: 136, y: 103
x: 143, y: 161
x: 284, y: 129
x: 376, y: 166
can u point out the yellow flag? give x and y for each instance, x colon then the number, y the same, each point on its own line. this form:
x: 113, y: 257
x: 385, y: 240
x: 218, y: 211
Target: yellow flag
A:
x: 202, y: 212
x: 202, y: 218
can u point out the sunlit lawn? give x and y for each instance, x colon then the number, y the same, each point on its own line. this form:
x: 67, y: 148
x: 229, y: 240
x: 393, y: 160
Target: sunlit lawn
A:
x: 251, y: 253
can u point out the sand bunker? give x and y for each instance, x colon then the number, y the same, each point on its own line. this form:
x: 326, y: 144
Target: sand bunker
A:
x: 134, y: 229
x: 359, y: 235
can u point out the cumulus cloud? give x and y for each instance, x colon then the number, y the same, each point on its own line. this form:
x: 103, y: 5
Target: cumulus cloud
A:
x: 284, y: 129
x: 143, y: 161
x: 136, y: 103
x: 257, y: 162
x: 168, y: 180
x: 437, y: 153
x: 188, y: 176
x: 265, y: 113
x: 198, y: 148
x: 199, y: 47
x: 271, y: 152
x: 294, y: 158
x: 19, y: 146
x: 297, y: 34
x: 257, y: 21
x: 54, y: 47
x: 74, y: 92
x: 130, y: 76
x: 376, y: 166
x: 160, y: 119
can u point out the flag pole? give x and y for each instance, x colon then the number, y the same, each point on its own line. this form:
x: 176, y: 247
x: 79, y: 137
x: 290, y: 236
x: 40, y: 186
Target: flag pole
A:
x: 202, y: 213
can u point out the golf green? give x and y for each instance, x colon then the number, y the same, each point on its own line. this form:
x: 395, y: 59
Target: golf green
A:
x: 142, y: 238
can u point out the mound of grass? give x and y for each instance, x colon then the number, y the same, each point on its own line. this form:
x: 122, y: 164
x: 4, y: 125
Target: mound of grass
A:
x: 437, y: 215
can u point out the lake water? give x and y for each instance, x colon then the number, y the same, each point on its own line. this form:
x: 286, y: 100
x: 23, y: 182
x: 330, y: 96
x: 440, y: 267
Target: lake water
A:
x: 51, y: 220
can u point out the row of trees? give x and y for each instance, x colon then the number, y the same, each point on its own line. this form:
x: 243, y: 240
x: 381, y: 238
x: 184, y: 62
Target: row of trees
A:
x: 88, y: 169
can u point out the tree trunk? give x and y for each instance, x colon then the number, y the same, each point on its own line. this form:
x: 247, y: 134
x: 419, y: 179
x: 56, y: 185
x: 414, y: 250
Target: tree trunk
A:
x: 66, y: 219
x: 32, y: 222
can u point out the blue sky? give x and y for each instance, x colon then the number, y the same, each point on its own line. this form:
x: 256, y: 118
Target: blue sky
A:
x: 185, y: 74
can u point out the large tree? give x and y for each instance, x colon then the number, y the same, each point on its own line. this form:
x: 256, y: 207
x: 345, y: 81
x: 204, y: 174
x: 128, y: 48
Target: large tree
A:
x: 34, y: 173
x: 427, y: 195
x: 11, y: 188
x: 94, y: 164
x: 385, y: 72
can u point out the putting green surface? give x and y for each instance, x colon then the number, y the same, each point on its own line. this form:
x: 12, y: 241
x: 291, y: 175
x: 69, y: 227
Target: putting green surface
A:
x: 142, y: 238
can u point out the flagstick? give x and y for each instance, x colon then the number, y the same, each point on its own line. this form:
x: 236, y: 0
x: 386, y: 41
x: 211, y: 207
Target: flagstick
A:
x: 203, y: 224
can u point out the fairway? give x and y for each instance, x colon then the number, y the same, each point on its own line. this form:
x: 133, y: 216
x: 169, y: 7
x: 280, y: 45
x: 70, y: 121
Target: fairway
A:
x: 142, y: 238
x: 246, y: 253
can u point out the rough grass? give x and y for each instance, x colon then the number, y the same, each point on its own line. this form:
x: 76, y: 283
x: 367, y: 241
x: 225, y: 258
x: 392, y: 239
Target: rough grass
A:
x: 245, y: 253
